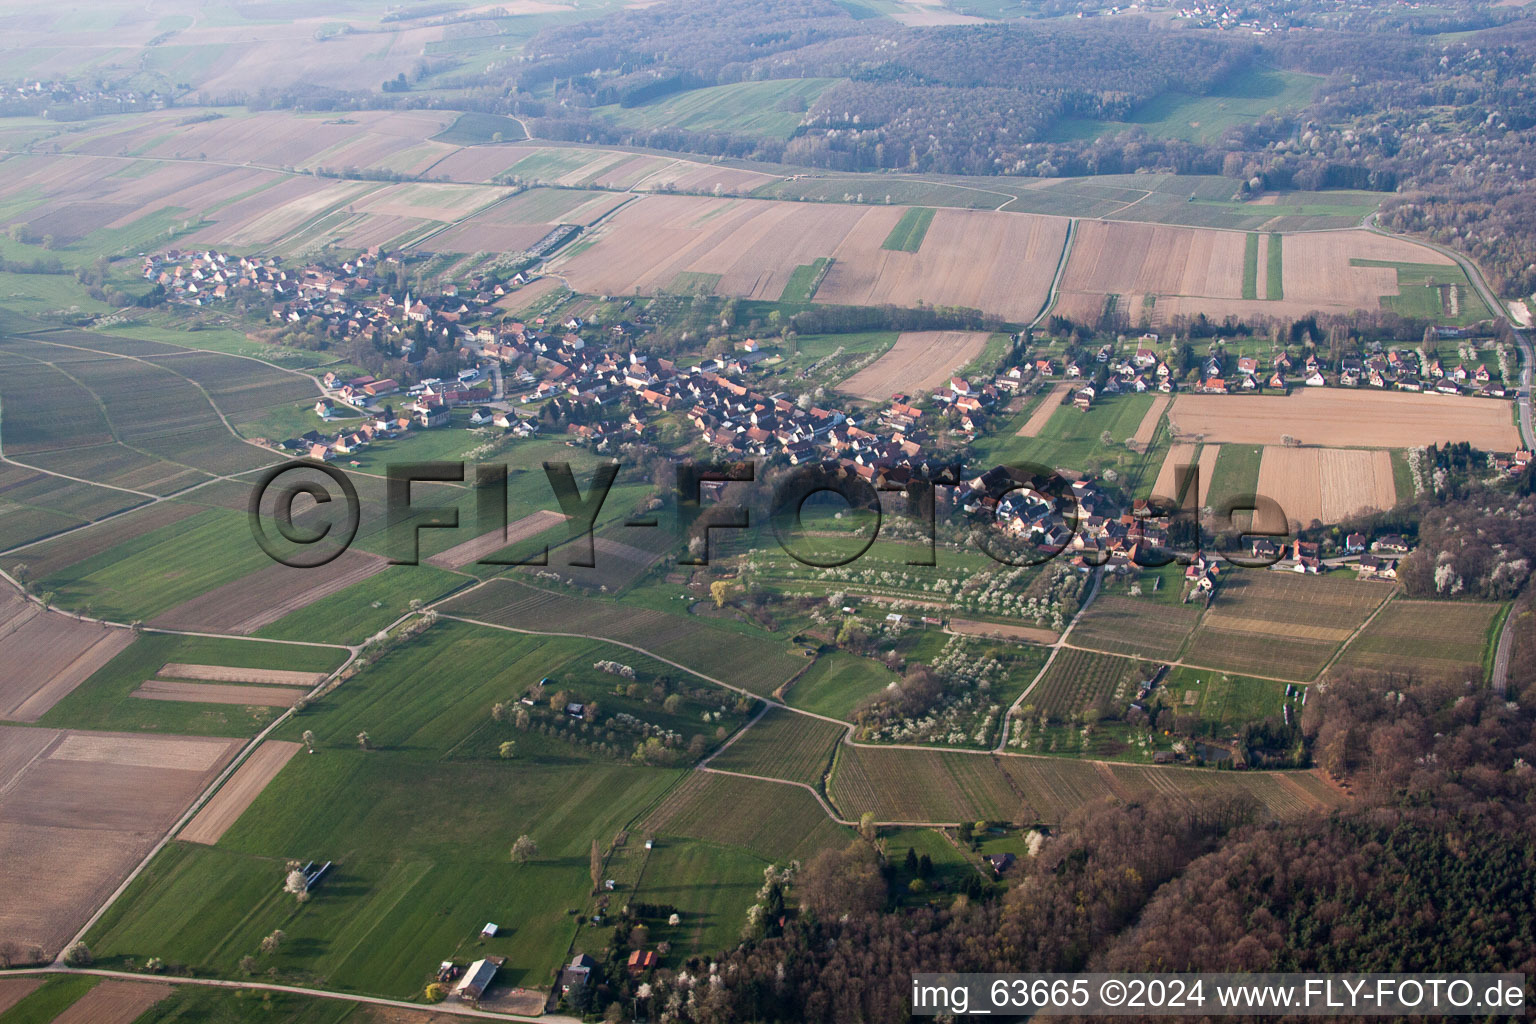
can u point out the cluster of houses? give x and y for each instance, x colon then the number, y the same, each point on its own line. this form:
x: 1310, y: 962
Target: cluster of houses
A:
x: 348, y: 300
x: 1144, y: 371
x: 1371, y: 559
x: 1395, y: 369
x: 1106, y: 534
x: 357, y: 404
x: 69, y: 101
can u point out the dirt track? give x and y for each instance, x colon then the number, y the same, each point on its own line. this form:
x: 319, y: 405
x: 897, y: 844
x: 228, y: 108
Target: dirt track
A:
x: 210, y: 823
x: 1147, y: 428
x: 1034, y: 634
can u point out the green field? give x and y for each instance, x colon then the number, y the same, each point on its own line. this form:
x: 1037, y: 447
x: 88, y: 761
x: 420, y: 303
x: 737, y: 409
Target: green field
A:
x: 198, y: 1004
x: 1274, y: 281
x: 805, y: 279
x: 750, y: 660
x: 694, y: 282
x: 748, y: 108
x: 782, y: 745
x: 474, y: 129
x: 1193, y: 200
x: 406, y: 891
x: 143, y: 577
x: 1223, y: 703
x: 1070, y: 440
x: 1251, y: 266
x: 105, y: 700
x: 352, y: 615
x: 710, y: 885
x: 1427, y: 638
x: 908, y: 234
x: 1426, y: 290
x: 1236, y: 473
x: 838, y: 683
x: 48, y: 1001
x: 1242, y: 99
x: 774, y: 821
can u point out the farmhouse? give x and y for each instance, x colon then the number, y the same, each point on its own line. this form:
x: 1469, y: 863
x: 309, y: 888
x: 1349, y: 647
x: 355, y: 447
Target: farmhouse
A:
x: 577, y: 972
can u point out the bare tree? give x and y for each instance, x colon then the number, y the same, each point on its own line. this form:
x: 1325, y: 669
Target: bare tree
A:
x: 364, y: 740
x: 524, y: 850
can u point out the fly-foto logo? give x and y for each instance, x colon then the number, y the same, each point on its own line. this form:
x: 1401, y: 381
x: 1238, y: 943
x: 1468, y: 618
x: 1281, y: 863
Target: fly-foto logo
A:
x: 1158, y: 531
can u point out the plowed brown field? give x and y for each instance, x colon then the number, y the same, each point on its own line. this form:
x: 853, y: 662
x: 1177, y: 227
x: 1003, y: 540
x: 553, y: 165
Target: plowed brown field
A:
x: 919, y: 361
x: 47, y: 654
x: 1000, y: 263
x: 224, y: 809
x: 219, y: 693
x: 247, y: 604
x: 1326, y: 484
x: 80, y: 809
x: 1348, y: 419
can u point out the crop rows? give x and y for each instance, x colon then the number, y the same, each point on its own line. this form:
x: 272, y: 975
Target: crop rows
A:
x: 1077, y: 679
x: 752, y: 663
x: 920, y: 785
x: 783, y: 745
x: 1138, y: 626
x: 775, y: 821
x: 1428, y: 637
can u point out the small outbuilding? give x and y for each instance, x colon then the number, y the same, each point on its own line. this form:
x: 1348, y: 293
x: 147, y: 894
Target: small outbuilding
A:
x: 477, y: 979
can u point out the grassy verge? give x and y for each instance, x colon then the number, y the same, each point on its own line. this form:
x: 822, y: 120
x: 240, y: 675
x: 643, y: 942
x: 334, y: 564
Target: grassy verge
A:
x: 908, y: 234
x: 805, y: 279
x: 1251, y: 266
x: 1275, y: 280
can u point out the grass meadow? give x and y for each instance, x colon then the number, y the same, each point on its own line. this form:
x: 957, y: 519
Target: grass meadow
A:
x: 420, y: 839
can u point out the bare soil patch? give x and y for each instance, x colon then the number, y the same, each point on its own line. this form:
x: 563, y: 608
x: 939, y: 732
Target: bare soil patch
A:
x: 1044, y: 411
x: 243, y: 787
x: 1006, y: 631
x: 919, y: 361
x: 1326, y: 484
x: 227, y: 674
x: 1167, y: 476
x: 247, y: 604
x: 473, y: 550
x: 113, y: 1002
x: 1199, y: 270
x: 1339, y: 418
x: 14, y: 990
x: 219, y: 693
x: 1001, y: 263
x: 47, y: 655
x: 80, y: 809
x: 1146, y: 430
